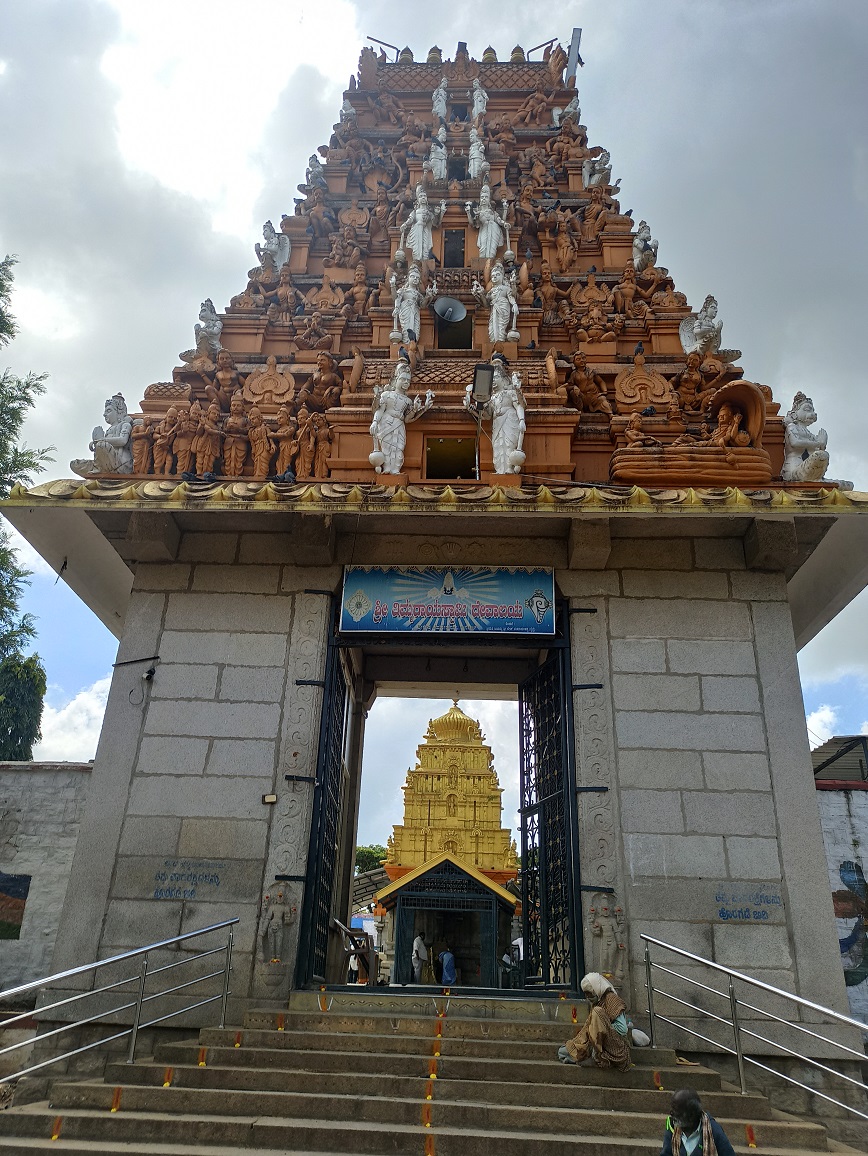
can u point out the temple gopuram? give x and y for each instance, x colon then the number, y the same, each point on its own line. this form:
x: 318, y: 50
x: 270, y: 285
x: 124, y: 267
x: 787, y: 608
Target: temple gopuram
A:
x: 450, y: 847
x: 458, y: 433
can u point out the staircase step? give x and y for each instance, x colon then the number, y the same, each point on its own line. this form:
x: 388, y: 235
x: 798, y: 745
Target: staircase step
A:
x: 125, y: 1131
x: 537, y: 1095
x: 463, y: 1113
x: 415, y: 1025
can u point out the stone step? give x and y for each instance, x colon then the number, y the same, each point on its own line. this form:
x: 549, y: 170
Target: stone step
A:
x: 417, y: 1002
x: 537, y: 1095
x: 546, y: 1071
x: 459, y: 1113
x: 383, y: 1024
x: 32, y: 1146
x: 400, y: 1044
x: 122, y: 1132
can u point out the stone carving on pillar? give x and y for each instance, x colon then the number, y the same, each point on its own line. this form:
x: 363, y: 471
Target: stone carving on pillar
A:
x: 500, y: 299
x: 806, y: 458
x: 701, y: 332
x: 417, y: 231
x: 394, y: 411
x: 111, y: 447
x: 599, y: 838
x: 277, y: 917
x: 492, y: 231
x: 607, y: 926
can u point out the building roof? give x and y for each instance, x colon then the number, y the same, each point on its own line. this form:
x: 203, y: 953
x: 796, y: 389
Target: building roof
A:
x: 842, y: 760
x: 425, y: 868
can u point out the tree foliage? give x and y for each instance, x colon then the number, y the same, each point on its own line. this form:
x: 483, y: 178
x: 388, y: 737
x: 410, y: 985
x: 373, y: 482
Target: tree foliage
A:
x: 22, y: 687
x: 369, y: 858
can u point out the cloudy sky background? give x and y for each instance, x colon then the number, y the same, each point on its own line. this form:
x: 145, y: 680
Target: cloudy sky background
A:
x: 143, y: 145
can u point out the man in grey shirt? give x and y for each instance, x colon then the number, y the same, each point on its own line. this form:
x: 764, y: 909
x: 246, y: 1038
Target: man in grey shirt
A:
x: 420, y: 957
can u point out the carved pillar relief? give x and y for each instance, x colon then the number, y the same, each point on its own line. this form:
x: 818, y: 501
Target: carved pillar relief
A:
x: 599, y: 826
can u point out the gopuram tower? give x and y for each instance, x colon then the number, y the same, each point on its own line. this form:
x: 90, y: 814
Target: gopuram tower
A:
x: 459, y: 432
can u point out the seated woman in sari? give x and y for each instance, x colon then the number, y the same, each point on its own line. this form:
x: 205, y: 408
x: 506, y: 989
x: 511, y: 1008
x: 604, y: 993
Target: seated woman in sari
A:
x: 604, y: 1033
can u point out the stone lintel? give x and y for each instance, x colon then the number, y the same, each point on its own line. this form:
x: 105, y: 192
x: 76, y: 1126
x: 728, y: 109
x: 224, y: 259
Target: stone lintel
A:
x: 313, y: 540
x: 771, y: 544
x: 151, y: 538
x: 589, y: 544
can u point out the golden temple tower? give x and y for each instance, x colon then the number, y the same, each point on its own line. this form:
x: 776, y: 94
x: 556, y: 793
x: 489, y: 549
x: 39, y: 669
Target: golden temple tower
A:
x: 452, y: 803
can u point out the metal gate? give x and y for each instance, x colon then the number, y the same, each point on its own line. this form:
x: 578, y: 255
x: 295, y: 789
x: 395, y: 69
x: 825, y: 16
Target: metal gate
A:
x: 325, y: 824
x: 549, y: 828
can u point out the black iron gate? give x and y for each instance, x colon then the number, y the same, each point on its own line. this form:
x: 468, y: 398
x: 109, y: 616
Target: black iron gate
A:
x: 325, y: 824
x: 553, y: 947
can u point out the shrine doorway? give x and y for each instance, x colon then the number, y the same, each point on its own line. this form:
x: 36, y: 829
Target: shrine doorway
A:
x: 537, y: 674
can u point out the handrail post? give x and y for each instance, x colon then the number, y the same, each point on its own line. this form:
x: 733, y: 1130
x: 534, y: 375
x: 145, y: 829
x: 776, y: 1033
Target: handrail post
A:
x: 226, y: 973
x: 143, y: 979
x: 649, y: 987
x: 736, y: 1031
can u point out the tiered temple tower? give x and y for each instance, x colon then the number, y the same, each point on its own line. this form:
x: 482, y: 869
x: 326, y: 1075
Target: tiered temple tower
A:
x: 452, y: 803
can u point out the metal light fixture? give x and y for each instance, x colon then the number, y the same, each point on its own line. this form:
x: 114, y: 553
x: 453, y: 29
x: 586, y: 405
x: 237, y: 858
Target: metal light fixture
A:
x: 483, y: 380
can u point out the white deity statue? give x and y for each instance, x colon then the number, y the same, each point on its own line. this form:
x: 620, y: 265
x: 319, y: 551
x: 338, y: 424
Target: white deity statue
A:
x: 476, y: 162
x: 701, y: 332
x: 111, y: 447
x: 276, y: 248
x: 347, y: 110
x: 438, y: 100
x: 506, y: 408
x: 393, y: 411
x: 806, y: 458
x: 597, y: 170
x: 571, y: 112
x: 315, y: 174
x: 437, y: 163
x: 207, y: 331
x: 409, y: 299
x: 493, y: 231
x: 500, y: 299
x: 417, y: 231
x: 480, y: 101
x: 644, y: 249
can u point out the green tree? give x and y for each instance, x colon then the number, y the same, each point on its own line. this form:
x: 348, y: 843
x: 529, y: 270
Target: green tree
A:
x: 22, y: 680
x: 369, y: 858
x: 22, y: 688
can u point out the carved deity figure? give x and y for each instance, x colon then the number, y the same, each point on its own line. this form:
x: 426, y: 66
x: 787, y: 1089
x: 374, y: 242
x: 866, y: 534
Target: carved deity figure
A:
x: 208, y: 442
x: 277, y: 916
x: 586, y: 390
x: 345, y: 251
x: 437, y: 157
x: 701, y: 333
x: 286, y: 300
x: 235, y: 438
x: 644, y: 248
x: 492, y: 229
x: 636, y: 438
x: 506, y: 408
x: 480, y: 101
x: 313, y: 336
x: 322, y: 444
x: 438, y: 101
x: 185, y: 431
x: 553, y: 299
x: 597, y: 170
x: 607, y: 927
x: 393, y: 411
x: 534, y: 107
x: 261, y: 446
x: 409, y: 300
x: 223, y: 382
x: 275, y: 250
x: 476, y: 162
x: 140, y: 440
x: 805, y: 456
x: 693, y: 394
x: 164, y: 435
x: 111, y: 448
x: 417, y: 231
x: 285, y: 435
x: 207, y: 331
x: 322, y: 390
x: 357, y: 296
x: 500, y: 299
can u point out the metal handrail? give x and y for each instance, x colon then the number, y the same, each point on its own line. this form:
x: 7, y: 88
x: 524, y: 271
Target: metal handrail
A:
x: 140, y: 1000
x: 733, y: 1022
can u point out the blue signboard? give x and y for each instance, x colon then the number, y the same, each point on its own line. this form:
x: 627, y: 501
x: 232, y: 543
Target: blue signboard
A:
x: 443, y: 600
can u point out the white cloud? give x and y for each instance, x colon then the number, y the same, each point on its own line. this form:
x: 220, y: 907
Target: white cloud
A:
x: 822, y: 724
x: 70, y: 732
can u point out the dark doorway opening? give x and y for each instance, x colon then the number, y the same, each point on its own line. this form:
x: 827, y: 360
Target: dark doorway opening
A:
x: 450, y: 459
x: 456, y: 168
x: 455, y: 334
x: 453, y: 248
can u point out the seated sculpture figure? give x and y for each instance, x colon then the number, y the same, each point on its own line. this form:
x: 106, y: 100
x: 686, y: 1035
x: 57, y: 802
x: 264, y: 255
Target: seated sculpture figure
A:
x: 207, y: 331
x: 111, y: 447
x: 644, y: 248
x: 323, y: 388
x: 701, y: 332
x: 806, y: 458
x: 313, y: 336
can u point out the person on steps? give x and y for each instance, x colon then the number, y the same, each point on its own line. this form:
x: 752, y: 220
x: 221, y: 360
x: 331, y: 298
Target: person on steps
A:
x: 447, y: 959
x: 690, y: 1130
x: 604, y: 1033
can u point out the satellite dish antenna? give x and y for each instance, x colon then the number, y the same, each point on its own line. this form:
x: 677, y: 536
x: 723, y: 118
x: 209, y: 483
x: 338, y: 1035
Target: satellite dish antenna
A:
x: 449, y: 309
